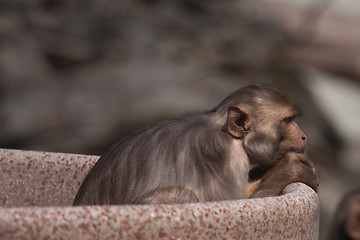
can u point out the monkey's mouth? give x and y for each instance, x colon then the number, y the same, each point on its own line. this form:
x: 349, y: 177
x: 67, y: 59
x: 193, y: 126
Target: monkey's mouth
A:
x: 298, y: 150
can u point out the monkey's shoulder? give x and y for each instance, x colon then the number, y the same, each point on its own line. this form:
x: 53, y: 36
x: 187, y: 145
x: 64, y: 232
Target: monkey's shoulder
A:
x: 166, y: 136
x: 178, y: 126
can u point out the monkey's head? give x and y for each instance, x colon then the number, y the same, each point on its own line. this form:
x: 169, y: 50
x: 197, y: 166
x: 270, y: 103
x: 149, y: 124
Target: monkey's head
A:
x: 264, y: 120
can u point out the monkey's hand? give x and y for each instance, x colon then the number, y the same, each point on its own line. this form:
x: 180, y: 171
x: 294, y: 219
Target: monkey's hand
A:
x: 293, y: 167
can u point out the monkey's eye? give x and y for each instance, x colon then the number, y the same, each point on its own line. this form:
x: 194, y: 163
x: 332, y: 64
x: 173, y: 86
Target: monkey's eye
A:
x: 287, y: 120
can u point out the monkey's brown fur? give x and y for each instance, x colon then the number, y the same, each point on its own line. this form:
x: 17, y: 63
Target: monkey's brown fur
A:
x: 205, y: 156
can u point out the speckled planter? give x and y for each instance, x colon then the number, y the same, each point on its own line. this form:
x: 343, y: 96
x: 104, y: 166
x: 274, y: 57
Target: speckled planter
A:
x: 37, y: 190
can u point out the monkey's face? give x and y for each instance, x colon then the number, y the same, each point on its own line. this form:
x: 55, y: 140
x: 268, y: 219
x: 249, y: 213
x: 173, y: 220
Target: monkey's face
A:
x: 267, y: 132
x: 294, y: 140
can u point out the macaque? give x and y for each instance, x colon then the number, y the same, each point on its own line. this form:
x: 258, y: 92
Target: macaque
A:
x: 346, y: 221
x: 206, y: 156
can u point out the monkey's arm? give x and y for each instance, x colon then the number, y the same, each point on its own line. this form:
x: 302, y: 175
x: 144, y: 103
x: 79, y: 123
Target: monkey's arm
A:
x: 293, y: 167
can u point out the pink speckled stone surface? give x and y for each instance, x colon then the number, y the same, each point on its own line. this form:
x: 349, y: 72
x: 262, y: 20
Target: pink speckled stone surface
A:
x: 37, y: 189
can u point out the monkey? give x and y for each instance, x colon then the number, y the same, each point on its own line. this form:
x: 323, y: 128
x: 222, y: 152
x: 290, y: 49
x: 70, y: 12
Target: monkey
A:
x: 206, y: 156
x: 345, y: 224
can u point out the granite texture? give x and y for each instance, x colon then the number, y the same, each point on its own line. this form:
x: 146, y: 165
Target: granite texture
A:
x: 37, y: 189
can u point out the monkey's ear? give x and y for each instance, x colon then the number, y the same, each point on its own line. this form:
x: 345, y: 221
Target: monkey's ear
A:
x: 238, y: 121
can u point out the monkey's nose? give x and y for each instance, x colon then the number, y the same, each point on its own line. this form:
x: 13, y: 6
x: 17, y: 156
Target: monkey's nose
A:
x: 303, y: 137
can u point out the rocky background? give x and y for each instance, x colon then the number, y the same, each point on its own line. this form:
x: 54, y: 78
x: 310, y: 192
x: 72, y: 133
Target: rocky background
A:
x: 77, y: 75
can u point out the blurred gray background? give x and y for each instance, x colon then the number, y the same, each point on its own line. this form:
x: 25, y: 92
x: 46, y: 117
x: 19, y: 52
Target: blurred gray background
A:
x: 77, y: 75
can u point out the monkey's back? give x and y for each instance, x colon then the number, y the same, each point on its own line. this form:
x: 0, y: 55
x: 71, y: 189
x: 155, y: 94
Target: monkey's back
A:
x: 174, y: 149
